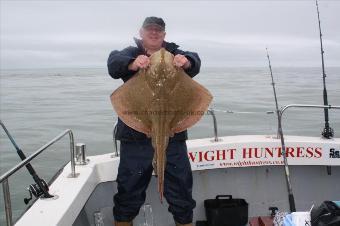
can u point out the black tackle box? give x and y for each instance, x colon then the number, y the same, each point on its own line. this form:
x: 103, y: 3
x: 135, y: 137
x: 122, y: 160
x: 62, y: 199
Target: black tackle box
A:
x: 226, y: 211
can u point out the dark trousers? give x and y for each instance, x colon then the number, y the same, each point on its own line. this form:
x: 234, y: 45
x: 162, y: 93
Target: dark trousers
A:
x: 134, y: 174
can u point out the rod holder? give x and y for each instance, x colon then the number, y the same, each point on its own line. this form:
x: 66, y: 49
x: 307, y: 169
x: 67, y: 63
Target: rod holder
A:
x: 81, y: 154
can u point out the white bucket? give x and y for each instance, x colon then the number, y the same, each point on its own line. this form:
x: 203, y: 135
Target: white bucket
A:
x: 301, y: 218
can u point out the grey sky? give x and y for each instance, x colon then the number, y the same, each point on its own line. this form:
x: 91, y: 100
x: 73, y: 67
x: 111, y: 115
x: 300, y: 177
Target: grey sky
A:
x: 40, y: 34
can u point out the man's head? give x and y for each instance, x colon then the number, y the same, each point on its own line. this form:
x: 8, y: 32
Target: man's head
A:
x: 152, y: 32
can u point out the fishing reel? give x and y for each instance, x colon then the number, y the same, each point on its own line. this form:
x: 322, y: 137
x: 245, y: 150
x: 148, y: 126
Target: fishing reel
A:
x: 37, y: 191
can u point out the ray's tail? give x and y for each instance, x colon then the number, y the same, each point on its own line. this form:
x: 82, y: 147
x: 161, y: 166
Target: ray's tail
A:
x: 160, y: 144
x: 160, y: 173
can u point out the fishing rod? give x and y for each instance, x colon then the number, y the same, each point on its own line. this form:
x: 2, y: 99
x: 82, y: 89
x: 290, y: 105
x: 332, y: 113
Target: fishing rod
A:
x: 327, y: 131
x: 41, y: 187
x: 278, y: 112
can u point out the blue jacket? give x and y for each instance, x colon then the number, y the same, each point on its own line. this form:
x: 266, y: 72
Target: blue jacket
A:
x: 117, y: 64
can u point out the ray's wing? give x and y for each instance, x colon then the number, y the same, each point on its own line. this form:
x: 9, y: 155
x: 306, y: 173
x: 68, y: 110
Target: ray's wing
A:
x: 191, y: 100
x: 131, y: 102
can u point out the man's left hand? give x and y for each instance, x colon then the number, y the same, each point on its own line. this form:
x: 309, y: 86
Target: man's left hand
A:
x: 181, y: 61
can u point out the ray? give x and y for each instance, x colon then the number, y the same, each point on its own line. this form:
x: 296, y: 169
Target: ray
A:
x: 160, y: 101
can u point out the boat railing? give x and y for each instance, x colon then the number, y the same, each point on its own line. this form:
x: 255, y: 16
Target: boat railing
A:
x: 211, y: 111
x: 286, y: 107
x: 4, y: 178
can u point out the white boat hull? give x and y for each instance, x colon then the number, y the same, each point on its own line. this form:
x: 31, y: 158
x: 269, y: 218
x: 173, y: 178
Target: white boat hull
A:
x: 261, y: 185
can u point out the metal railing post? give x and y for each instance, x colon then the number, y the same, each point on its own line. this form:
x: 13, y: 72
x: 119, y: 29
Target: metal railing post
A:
x: 211, y: 111
x: 7, y: 200
x: 73, y: 164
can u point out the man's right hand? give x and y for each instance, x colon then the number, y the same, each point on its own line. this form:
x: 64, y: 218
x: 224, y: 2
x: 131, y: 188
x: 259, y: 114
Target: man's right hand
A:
x: 142, y: 61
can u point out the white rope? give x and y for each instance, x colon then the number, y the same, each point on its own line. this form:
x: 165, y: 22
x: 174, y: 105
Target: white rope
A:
x: 241, y: 112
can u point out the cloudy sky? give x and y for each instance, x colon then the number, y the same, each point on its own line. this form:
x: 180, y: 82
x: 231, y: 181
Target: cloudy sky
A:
x: 48, y: 34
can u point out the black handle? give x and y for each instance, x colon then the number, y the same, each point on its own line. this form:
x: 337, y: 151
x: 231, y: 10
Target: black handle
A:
x: 273, y: 210
x: 291, y: 203
x: 224, y: 196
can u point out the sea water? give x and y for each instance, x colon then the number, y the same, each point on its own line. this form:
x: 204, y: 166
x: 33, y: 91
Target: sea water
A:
x: 38, y: 104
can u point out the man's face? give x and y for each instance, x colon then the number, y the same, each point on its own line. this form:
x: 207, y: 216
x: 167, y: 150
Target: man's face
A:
x: 152, y: 36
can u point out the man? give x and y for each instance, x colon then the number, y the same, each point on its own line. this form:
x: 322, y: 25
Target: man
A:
x: 135, y: 168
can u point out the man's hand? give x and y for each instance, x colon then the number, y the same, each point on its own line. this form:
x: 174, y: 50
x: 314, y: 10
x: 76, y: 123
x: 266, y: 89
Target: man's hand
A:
x: 181, y: 61
x: 141, y: 61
